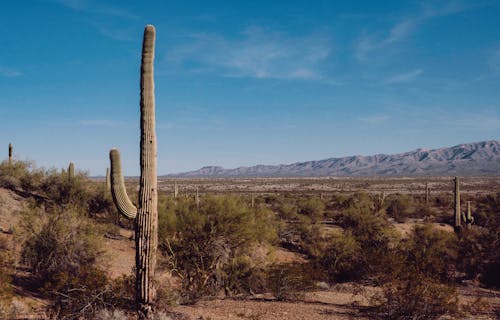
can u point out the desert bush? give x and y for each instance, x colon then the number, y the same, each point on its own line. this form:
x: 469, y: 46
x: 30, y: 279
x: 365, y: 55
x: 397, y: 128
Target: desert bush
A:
x: 479, y: 255
x: 399, y: 207
x: 301, y: 235
x: 121, y: 293
x: 444, y: 201
x: 59, y: 242
x: 63, y: 249
x: 287, y: 211
x: 490, y: 275
x: 473, y: 247
x: 419, y: 281
x: 207, y: 245
x: 358, y: 201
x: 6, y: 292
x: 20, y: 175
x: 77, y: 295
x: 431, y: 252
x: 418, y: 298
x: 313, y: 207
x: 372, y: 231
x: 487, y: 214
x: 65, y: 192
x: 289, y: 282
x: 342, y: 259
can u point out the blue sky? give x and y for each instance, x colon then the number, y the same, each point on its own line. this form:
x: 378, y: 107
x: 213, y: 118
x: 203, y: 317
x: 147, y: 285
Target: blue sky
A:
x: 246, y: 82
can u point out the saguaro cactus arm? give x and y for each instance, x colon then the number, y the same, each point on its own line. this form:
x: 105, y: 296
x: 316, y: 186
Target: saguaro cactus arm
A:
x: 118, y: 191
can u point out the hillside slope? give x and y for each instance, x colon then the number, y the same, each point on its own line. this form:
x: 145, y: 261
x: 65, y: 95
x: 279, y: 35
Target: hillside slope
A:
x: 480, y: 158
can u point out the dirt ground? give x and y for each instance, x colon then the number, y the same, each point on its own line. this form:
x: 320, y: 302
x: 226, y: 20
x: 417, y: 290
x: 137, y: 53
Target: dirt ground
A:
x: 327, y: 185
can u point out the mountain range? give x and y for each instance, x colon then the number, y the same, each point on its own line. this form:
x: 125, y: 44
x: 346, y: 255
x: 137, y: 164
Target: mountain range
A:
x: 478, y: 158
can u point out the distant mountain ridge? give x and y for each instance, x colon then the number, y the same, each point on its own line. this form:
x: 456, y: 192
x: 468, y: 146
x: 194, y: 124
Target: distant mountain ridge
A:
x: 479, y: 158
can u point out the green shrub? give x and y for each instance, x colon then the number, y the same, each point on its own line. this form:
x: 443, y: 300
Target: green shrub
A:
x: 21, y: 176
x: 63, y: 249
x: 6, y: 292
x: 312, y: 207
x: 302, y: 235
x: 372, y: 231
x: 288, y: 282
x: 207, y: 246
x: 288, y: 211
x: 418, y: 298
x: 77, y: 295
x: 479, y: 255
x: 431, y: 252
x: 342, y: 259
x: 419, y: 279
x: 399, y: 207
x: 59, y: 242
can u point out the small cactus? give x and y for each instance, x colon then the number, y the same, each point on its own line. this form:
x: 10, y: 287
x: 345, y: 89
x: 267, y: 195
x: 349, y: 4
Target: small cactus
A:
x: 176, y: 190
x: 10, y: 153
x: 427, y: 193
x: 467, y: 218
x: 71, y: 171
x: 146, y: 215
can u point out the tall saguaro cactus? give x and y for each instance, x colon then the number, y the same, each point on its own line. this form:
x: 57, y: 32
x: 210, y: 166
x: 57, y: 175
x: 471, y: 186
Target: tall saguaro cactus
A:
x: 146, y: 215
x: 458, y: 214
x: 10, y: 153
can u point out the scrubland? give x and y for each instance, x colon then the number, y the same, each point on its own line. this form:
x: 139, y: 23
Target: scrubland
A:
x: 322, y: 248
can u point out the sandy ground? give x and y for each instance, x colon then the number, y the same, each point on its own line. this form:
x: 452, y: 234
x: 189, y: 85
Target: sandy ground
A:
x: 326, y: 185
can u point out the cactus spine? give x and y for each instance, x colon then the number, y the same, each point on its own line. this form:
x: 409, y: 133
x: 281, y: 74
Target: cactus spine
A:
x: 71, y: 171
x: 10, y: 153
x: 146, y: 215
x: 457, y: 204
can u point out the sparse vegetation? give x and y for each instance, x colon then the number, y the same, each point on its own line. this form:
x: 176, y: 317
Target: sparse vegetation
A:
x: 220, y: 245
x: 225, y: 247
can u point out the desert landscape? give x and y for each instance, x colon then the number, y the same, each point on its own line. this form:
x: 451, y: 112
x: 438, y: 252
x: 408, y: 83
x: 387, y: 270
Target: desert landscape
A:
x: 285, y: 272
x: 251, y: 93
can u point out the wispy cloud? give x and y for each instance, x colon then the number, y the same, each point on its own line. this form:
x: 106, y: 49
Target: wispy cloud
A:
x: 116, y: 33
x: 483, y: 121
x: 10, y: 73
x: 96, y: 8
x: 100, y: 123
x: 404, y: 77
x: 370, y: 42
x: 375, y: 119
x: 100, y: 15
x: 257, y: 54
